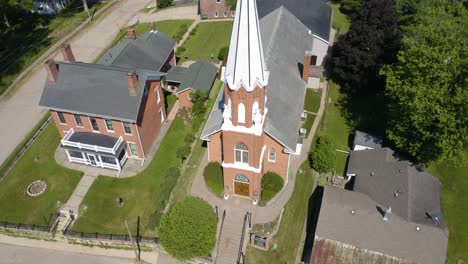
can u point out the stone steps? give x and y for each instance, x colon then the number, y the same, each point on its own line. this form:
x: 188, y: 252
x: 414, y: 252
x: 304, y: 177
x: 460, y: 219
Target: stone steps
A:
x: 230, y: 238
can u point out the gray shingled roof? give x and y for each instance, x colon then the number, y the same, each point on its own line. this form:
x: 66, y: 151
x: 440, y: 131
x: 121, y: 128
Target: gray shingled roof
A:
x: 315, y: 14
x: 198, y: 76
x: 95, y: 90
x: 408, y: 190
x: 149, y: 51
x: 367, y: 140
x: 285, y: 40
x: 366, y: 229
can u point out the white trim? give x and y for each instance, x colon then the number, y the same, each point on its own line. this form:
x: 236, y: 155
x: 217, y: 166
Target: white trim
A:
x: 129, y: 148
x: 125, y: 132
x: 208, y: 148
x: 161, y: 115
x: 242, y: 152
x: 141, y: 145
x: 76, y: 123
x: 56, y: 112
x: 319, y: 38
x: 245, y: 166
x: 65, y: 141
x: 159, y: 96
x: 91, y: 123
x: 107, y: 128
x: 272, y: 160
x: 287, y: 171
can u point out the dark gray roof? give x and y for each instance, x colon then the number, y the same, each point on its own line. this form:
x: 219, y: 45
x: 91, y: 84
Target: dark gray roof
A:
x: 315, y: 14
x: 198, y: 76
x: 412, y: 193
x: 95, y: 139
x: 285, y: 40
x: 367, y: 140
x: 95, y: 90
x: 365, y: 229
x: 148, y: 51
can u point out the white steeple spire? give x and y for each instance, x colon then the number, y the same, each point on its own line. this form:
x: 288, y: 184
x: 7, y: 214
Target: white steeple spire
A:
x: 246, y: 65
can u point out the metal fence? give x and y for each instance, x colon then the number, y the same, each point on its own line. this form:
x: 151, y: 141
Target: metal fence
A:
x: 24, y: 227
x: 109, y: 237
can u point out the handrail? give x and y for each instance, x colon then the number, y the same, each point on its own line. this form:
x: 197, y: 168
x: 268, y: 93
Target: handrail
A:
x: 65, y: 141
x: 241, y: 246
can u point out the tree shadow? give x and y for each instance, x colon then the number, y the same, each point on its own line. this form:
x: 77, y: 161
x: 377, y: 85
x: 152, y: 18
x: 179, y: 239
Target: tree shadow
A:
x: 315, y: 203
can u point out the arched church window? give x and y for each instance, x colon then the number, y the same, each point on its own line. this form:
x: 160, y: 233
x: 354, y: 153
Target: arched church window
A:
x: 254, y: 109
x: 241, y: 153
x: 241, y: 113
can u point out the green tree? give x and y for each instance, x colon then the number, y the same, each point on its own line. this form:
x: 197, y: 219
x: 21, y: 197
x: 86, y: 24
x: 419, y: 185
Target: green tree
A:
x: 188, y: 229
x: 427, y: 88
x: 164, y: 3
x: 350, y: 7
x: 232, y: 4
x: 213, y: 174
x: 372, y: 41
x: 272, y: 183
x: 198, y: 99
x: 323, y: 157
x: 223, y: 52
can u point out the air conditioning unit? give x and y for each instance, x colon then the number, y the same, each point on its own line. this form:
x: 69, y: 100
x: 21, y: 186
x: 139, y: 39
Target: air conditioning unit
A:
x: 302, y: 132
x: 303, y: 116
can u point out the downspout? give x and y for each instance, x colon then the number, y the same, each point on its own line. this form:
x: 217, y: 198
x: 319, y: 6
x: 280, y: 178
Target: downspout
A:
x: 141, y: 145
x: 287, y: 172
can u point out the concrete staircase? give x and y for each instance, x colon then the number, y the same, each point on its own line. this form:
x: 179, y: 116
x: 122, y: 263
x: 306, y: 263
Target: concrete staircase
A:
x: 230, y: 240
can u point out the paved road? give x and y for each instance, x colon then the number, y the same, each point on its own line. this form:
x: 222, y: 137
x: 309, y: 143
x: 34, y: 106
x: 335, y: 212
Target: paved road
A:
x: 19, y: 112
x: 12, y: 254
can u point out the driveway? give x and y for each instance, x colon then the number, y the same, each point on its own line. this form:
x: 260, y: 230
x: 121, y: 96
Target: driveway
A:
x: 19, y: 111
x: 13, y: 254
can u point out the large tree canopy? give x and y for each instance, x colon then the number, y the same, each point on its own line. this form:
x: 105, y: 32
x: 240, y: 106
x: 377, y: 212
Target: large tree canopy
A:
x: 427, y: 88
x: 372, y: 41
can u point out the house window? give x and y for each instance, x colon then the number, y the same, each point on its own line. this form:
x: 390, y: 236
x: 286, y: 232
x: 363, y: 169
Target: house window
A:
x: 61, y: 118
x: 241, y: 153
x: 161, y: 114
x: 127, y: 129
x: 233, y: 13
x: 108, y: 160
x: 94, y: 124
x: 241, y: 113
x: 75, y: 154
x: 313, y: 60
x: 218, y: 1
x: 225, y: 14
x: 78, y: 120
x: 216, y: 14
x: 272, y: 155
x: 133, y: 149
x: 109, y: 125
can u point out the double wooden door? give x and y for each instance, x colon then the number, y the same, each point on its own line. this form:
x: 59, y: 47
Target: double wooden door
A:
x: 241, y: 188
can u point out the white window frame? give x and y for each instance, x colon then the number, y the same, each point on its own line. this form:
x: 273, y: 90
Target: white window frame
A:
x: 58, y: 117
x: 76, y: 122
x: 123, y: 125
x: 107, y: 127
x: 158, y: 95
x: 91, y: 123
x: 241, y: 113
x: 216, y: 14
x: 218, y: 1
x: 161, y: 115
x: 225, y: 14
x: 242, y: 151
x: 274, y: 155
x: 130, y: 148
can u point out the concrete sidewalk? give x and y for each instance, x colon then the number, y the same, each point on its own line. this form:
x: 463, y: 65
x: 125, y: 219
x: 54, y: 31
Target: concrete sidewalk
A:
x: 19, y: 111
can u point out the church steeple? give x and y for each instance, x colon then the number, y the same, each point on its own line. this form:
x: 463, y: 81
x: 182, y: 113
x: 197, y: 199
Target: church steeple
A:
x: 246, y: 65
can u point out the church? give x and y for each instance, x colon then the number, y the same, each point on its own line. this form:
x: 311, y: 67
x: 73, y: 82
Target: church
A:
x: 254, y: 126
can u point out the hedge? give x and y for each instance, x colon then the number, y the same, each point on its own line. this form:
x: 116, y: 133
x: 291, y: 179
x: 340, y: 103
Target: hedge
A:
x: 323, y: 157
x: 272, y: 183
x: 213, y: 174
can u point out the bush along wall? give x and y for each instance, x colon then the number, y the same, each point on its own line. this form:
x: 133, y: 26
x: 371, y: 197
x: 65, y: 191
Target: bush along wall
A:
x: 272, y: 183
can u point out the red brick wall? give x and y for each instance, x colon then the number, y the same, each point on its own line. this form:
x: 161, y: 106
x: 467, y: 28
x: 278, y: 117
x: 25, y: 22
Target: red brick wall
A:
x: 171, y: 61
x: 214, y: 148
x: 253, y: 143
x: 184, y: 98
x: 247, y: 98
x: 255, y: 182
x: 210, y: 7
x: 281, y: 163
x: 149, y: 118
x: 117, y: 125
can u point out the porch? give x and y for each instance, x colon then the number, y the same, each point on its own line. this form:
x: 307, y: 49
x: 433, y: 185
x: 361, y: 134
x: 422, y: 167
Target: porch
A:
x: 94, y: 149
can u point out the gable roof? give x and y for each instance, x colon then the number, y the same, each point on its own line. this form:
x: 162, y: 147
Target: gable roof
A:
x: 314, y: 14
x: 366, y: 230
x: 412, y: 193
x: 95, y: 90
x: 199, y: 76
x: 285, y: 40
x: 148, y: 51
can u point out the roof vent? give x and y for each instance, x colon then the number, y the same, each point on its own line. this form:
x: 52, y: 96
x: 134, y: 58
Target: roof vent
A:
x: 418, y: 228
x: 302, y: 132
x: 372, y: 173
x: 303, y: 116
x: 388, y: 212
x: 353, y: 212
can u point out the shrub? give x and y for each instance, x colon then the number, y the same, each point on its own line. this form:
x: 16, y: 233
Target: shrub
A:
x: 183, y: 152
x: 213, y: 175
x: 189, y: 138
x: 323, y: 157
x: 223, y: 52
x: 164, y: 3
x: 181, y: 49
x: 188, y: 229
x: 172, y: 175
x: 272, y: 183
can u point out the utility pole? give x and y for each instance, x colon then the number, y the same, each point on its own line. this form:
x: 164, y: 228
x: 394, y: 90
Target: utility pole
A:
x: 131, y: 238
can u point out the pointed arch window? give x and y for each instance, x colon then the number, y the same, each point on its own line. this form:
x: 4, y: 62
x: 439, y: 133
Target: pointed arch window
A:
x: 241, y: 153
x: 241, y: 113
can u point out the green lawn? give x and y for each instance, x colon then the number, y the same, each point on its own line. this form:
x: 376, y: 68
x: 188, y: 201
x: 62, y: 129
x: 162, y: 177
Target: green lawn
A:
x: 38, y: 163
x: 168, y: 27
x: 184, y: 184
x: 334, y: 123
x: 144, y: 195
x: 340, y: 22
x: 170, y: 98
x: 454, y: 184
x: 340, y: 163
x: 289, y: 235
x: 208, y: 39
x: 312, y: 100
x: 33, y: 35
x: 308, y: 123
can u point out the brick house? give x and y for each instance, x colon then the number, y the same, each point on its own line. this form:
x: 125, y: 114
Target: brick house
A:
x: 106, y: 114
x: 183, y: 81
x: 254, y: 126
x: 215, y: 9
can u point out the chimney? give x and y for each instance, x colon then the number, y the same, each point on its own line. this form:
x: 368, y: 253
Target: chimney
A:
x: 131, y: 34
x: 306, y: 66
x: 388, y: 212
x: 132, y: 82
x: 67, y: 53
x: 152, y: 26
x: 52, y: 71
